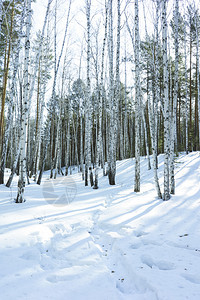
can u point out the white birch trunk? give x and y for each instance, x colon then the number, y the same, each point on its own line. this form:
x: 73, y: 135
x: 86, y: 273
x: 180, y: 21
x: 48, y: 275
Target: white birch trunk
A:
x: 57, y: 146
x: 101, y: 88
x: 68, y: 140
x: 174, y: 109
x: 146, y: 139
x: 117, y: 80
x: 81, y: 145
x: 157, y: 96
x: 23, y: 131
x: 126, y: 143
x: 166, y: 194
x: 197, y: 61
x: 40, y: 124
x: 186, y: 90
x: 98, y: 119
x: 87, y: 103
x: 137, y: 101
x: 153, y: 146
x: 100, y: 154
x: 112, y: 108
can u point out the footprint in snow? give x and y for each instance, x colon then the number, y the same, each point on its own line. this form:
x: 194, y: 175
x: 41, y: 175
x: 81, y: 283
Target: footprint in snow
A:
x: 135, y: 285
x: 68, y: 274
x: 96, y: 216
x: 108, y: 201
x: 136, y: 245
x: 192, y: 278
x: 57, y: 278
x: 32, y: 254
x: 161, y: 264
x: 55, y: 228
x: 140, y: 233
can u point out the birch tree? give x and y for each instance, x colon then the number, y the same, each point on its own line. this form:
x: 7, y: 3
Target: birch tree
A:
x: 137, y: 101
x: 125, y: 130
x: 23, y: 131
x: 112, y: 108
x: 87, y: 102
x: 117, y: 80
x: 174, y: 108
x: 197, y: 69
x: 186, y: 89
x: 166, y: 194
x: 156, y: 71
x: 97, y: 110
x: 146, y: 138
x: 154, y: 127
x: 99, y: 155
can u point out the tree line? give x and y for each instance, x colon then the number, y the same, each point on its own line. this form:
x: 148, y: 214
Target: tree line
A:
x: 135, y: 92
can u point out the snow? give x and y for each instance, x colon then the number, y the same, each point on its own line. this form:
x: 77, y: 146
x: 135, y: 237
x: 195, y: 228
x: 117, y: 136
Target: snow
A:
x: 105, y: 244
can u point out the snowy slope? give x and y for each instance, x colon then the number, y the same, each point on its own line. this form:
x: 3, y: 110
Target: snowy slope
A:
x: 71, y: 242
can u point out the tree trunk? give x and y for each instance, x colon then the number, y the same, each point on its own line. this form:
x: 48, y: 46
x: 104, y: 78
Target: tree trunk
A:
x: 186, y: 90
x: 197, y: 83
x: 190, y: 112
x: 23, y: 131
x: 112, y: 108
x: 87, y: 105
x: 137, y: 101
x: 146, y: 139
x: 174, y: 108
x: 153, y: 146
x: 166, y: 194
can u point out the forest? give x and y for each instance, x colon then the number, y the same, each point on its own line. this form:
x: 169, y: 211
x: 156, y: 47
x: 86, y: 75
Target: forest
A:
x: 97, y: 82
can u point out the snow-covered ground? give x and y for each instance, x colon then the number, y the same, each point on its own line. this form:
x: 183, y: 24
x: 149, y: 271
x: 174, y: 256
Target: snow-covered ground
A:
x: 70, y: 242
